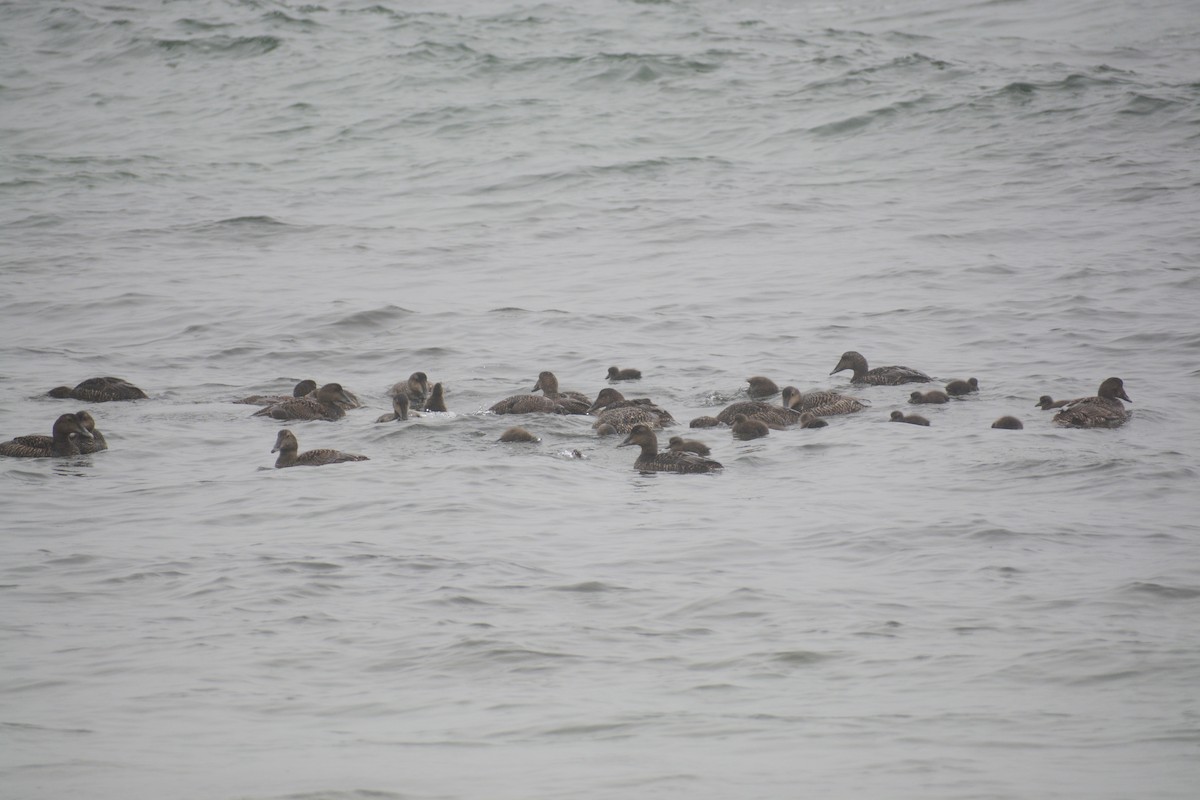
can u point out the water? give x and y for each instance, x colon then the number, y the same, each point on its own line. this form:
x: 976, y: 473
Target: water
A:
x: 217, y: 199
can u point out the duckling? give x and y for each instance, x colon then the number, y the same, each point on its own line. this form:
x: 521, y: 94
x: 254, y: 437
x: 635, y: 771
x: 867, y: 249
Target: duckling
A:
x: 1046, y: 403
x: 650, y: 460
x: 911, y: 419
x: 810, y: 420
x: 615, y: 374
x: 289, y: 456
x: 761, y: 387
x: 65, y: 436
x: 400, y: 409
x: 704, y: 422
x: 880, y: 376
x: 958, y: 388
x: 933, y: 396
x: 517, y: 434
x: 1008, y: 424
x: 745, y: 428
x: 678, y: 443
x: 437, y: 399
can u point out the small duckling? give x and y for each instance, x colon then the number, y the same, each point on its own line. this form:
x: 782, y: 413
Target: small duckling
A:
x: 932, y: 396
x: 761, y: 387
x: 1008, y: 424
x: 615, y: 374
x: 437, y: 399
x: 959, y: 388
x: 911, y: 419
x: 605, y: 429
x: 677, y: 444
x: 400, y: 409
x: 745, y: 428
x: 704, y: 422
x: 1046, y: 402
x: 517, y: 434
x: 811, y: 420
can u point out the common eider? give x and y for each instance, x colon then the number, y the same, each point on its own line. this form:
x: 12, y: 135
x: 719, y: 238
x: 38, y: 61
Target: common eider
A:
x: 911, y: 419
x: 880, y: 376
x: 518, y: 434
x: 958, y: 388
x: 548, y: 383
x: 761, y: 387
x: 821, y: 404
x: 773, y: 415
x: 437, y: 399
x: 289, y: 455
x: 301, y: 389
x: 1102, y: 411
x: 616, y: 374
x: 85, y: 446
x: 326, y: 404
x: 704, y: 422
x: 605, y: 429
x: 416, y: 388
x: 100, y: 390
x: 1008, y: 424
x: 400, y: 409
x: 745, y: 428
x: 650, y: 460
x: 678, y: 443
x: 64, y: 440
x: 810, y: 420
x: 1046, y: 403
x: 611, y: 408
x: 933, y: 397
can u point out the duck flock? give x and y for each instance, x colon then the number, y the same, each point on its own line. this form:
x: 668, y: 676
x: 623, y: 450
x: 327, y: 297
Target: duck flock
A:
x: 637, y: 419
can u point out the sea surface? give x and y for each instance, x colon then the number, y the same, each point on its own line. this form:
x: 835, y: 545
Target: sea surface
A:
x: 213, y: 199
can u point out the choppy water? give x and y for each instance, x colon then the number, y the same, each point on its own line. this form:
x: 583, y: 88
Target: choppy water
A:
x: 213, y: 199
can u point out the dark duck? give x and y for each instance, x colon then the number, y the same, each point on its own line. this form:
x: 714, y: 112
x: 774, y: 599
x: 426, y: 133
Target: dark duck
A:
x: 100, y: 390
x: 326, y: 404
x: 880, y: 376
x: 650, y: 460
x: 290, y: 456
x: 64, y: 440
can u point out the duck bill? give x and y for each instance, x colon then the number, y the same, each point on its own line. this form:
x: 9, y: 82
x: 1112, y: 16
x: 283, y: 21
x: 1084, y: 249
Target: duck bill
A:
x: 1124, y: 396
x: 628, y: 441
x: 841, y: 366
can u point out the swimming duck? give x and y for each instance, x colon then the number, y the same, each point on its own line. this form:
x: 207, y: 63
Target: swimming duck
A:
x: 911, y: 419
x: 437, y: 399
x: 289, y: 456
x: 302, y: 389
x: 773, y: 415
x: 100, y: 390
x: 933, y: 397
x: 761, y: 387
x: 810, y: 420
x: 821, y: 404
x: 1102, y: 411
x: 64, y: 440
x: 416, y: 387
x: 650, y: 460
x: 548, y: 383
x: 958, y: 388
x: 678, y: 444
x: 1045, y: 402
x: 611, y: 408
x: 880, y: 376
x: 400, y: 409
x: 605, y: 429
x: 704, y: 422
x: 535, y: 404
x: 1008, y: 424
x: 85, y: 446
x: 745, y: 428
x: 518, y: 434
x: 326, y: 404
x: 615, y: 374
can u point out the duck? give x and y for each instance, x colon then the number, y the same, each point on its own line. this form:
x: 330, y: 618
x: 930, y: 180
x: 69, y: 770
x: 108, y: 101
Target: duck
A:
x: 773, y: 415
x: 1104, y: 410
x: 326, y: 403
x: 605, y: 429
x: 1008, y: 424
x: 1046, y: 403
x: 617, y: 374
x: 932, y: 397
x: 517, y: 434
x: 821, y: 404
x: 958, y: 388
x: 100, y: 390
x: 301, y: 389
x: 400, y: 409
x: 548, y: 383
x: 612, y: 409
x: 650, y: 460
x: 704, y: 422
x: 288, y: 448
x: 678, y: 444
x: 416, y: 387
x: 880, y: 376
x: 437, y: 399
x: 810, y: 420
x: 85, y: 446
x: 746, y: 428
x: 534, y: 404
x: 911, y: 419
x: 761, y: 387
x: 64, y: 440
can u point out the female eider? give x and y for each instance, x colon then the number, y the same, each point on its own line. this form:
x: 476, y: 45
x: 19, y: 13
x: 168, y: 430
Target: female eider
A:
x: 100, y: 390
x: 821, y: 404
x: 400, y: 409
x: 416, y: 387
x: 616, y: 374
x: 64, y: 440
x: 773, y: 415
x: 326, y: 404
x: 745, y: 428
x: 761, y: 387
x: 85, y: 446
x: 437, y: 399
x: 548, y: 383
x: 1007, y: 423
x: 911, y: 419
x: 650, y: 460
x: 612, y: 409
x: 933, y: 397
x: 301, y: 389
x: 678, y: 444
x: 880, y: 376
x: 289, y: 455
x: 1102, y: 411
x: 958, y: 388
